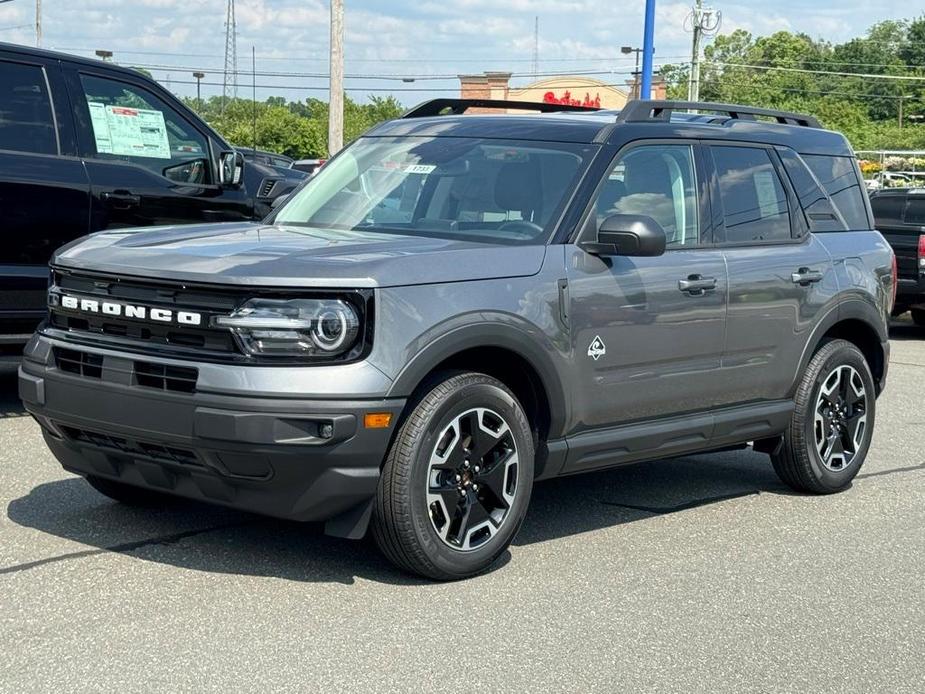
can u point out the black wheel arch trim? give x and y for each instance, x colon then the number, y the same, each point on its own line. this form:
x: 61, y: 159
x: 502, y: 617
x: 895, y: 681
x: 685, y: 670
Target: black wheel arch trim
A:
x: 488, y: 334
x: 852, y: 309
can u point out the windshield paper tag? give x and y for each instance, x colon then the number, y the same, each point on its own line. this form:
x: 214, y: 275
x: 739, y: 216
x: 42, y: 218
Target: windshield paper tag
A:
x: 123, y: 131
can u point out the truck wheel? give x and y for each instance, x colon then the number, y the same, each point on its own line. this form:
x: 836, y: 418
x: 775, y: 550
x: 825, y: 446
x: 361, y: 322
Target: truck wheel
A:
x: 832, y: 424
x: 457, y: 480
x: 128, y: 494
x: 918, y: 316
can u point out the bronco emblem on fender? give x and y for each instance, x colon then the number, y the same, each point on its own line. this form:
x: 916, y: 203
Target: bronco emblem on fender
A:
x: 597, y: 349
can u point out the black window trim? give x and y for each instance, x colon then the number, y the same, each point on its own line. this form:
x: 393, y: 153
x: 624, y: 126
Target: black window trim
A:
x: 799, y: 228
x: 42, y: 66
x: 79, y: 101
x: 584, y: 229
x: 865, y: 198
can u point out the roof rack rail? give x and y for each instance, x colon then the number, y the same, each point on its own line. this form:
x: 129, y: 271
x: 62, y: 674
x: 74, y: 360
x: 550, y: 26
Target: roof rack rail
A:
x: 641, y: 110
x: 459, y: 106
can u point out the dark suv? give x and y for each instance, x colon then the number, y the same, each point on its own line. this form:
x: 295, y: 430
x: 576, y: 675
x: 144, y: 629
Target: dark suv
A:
x: 87, y: 145
x: 458, y: 306
x: 899, y: 214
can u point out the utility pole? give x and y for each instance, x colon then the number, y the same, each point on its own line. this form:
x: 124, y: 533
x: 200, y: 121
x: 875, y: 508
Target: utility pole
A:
x: 336, y: 105
x: 230, y: 86
x: 38, y: 23
x: 536, y: 46
x: 693, y: 84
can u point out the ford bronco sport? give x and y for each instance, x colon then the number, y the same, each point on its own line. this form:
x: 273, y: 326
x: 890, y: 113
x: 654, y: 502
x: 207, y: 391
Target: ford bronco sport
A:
x: 459, y: 305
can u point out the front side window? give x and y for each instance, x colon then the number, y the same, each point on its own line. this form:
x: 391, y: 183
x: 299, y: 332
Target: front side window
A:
x: 657, y: 181
x: 497, y: 191
x: 26, y: 121
x: 754, y: 202
x: 132, y: 124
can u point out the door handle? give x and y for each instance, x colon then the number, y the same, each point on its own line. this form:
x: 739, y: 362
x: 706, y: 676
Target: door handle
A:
x: 697, y: 285
x: 805, y: 277
x: 121, y: 199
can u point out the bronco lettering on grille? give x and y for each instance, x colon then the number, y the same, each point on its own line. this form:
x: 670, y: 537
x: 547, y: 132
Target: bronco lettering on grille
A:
x: 112, y: 308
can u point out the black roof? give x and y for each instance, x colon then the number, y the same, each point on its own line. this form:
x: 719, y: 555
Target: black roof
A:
x: 66, y: 57
x: 577, y: 125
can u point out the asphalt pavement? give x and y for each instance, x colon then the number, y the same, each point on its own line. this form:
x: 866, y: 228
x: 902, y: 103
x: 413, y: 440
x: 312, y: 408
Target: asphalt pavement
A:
x: 697, y: 574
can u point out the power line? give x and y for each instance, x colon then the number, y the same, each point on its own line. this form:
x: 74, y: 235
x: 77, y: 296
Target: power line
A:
x: 905, y: 78
x: 395, y: 77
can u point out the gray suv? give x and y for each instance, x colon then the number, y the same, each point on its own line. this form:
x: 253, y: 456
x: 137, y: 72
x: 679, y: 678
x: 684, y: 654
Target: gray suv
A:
x: 459, y: 305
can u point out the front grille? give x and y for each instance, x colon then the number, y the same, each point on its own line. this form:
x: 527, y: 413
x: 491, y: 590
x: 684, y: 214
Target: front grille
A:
x: 178, y: 379
x: 146, y: 334
x: 154, y: 451
x: 79, y: 363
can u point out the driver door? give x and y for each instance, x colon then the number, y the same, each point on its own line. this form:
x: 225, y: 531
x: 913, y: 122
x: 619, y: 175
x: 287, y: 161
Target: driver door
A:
x: 647, y: 342
x: 147, y: 163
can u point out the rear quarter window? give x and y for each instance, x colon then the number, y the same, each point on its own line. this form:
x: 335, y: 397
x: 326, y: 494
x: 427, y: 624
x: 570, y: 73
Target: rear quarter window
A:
x: 839, y: 176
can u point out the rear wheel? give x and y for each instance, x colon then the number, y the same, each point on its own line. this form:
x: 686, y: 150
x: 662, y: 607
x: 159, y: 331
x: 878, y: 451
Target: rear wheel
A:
x: 832, y: 422
x: 457, y: 480
x: 918, y: 316
x: 127, y: 494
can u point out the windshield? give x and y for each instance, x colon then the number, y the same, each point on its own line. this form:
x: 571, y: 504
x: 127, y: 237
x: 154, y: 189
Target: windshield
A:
x: 496, y: 191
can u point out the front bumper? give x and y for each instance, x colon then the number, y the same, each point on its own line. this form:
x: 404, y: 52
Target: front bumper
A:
x: 306, y: 459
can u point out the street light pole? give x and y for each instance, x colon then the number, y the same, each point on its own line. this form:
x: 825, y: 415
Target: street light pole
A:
x: 198, y: 76
x: 38, y: 23
x: 626, y: 50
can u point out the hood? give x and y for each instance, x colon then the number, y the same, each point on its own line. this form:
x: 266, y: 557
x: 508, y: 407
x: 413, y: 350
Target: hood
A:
x: 270, y: 255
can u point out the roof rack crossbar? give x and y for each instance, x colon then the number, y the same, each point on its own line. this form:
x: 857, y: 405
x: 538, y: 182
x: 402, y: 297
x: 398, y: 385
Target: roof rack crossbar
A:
x: 435, y: 107
x: 641, y: 110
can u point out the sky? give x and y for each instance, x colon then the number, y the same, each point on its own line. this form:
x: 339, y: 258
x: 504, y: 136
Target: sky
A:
x: 390, y: 42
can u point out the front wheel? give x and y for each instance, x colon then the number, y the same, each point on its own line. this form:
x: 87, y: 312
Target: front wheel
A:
x: 457, y: 480
x: 832, y: 423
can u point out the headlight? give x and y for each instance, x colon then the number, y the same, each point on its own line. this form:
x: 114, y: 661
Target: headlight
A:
x: 294, y: 328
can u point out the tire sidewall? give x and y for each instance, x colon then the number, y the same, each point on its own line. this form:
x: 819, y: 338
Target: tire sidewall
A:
x: 470, y: 396
x: 843, y: 355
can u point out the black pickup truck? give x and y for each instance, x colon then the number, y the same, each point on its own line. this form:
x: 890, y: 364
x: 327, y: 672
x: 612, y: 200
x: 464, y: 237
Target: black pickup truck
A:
x: 900, y: 217
x: 88, y: 146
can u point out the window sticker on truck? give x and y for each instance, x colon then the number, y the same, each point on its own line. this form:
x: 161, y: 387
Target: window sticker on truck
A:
x: 136, y: 132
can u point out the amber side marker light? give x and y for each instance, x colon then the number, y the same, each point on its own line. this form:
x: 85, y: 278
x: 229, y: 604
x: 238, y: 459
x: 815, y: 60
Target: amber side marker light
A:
x: 377, y: 420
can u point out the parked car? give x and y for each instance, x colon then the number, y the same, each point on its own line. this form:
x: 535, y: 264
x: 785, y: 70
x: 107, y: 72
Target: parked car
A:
x: 309, y: 166
x: 87, y: 145
x: 279, y: 161
x: 899, y: 214
x: 460, y: 305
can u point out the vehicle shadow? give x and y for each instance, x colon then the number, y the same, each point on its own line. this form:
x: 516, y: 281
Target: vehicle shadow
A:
x: 906, y: 330
x: 10, y: 404
x: 227, y: 541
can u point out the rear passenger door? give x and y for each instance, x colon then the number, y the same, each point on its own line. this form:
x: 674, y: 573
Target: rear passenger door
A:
x: 780, y: 275
x: 44, y: 191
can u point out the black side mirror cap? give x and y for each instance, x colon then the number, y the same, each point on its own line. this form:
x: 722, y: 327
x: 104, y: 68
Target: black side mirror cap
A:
x: 629, y: 235
x: 230, y: 169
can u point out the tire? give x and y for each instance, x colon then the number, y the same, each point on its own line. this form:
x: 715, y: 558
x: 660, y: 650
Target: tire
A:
x: 918, y: 317
x: 128, y: 494
x: 443, y: 510
x: 809, y: 459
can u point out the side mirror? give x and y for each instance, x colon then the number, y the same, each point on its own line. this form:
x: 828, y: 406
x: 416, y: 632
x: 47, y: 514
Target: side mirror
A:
x: 630, y: 235
x: 230, y: 169
x: 278, y: 202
